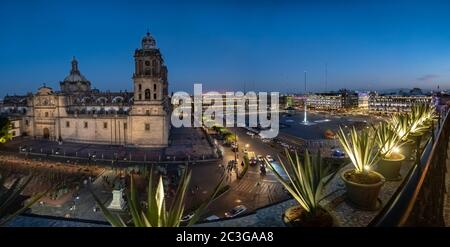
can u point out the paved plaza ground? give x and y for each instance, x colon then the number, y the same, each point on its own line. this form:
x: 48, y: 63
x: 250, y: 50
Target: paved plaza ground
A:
x: 185, y: 144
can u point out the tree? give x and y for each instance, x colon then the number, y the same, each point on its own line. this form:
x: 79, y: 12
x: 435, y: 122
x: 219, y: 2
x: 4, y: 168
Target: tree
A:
x: 5, y: 127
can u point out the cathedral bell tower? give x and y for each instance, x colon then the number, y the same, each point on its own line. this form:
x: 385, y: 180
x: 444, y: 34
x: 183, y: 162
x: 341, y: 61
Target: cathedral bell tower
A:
x: 150, y: 110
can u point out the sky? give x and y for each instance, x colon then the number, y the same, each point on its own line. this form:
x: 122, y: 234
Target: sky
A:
x: 229, y: 45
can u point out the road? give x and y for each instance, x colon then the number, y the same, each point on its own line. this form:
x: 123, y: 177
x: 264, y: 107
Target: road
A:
x: 253, y: 190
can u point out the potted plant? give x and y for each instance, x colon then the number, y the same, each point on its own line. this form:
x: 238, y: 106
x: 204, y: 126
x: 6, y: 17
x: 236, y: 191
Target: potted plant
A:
x: 400, y: 124
x: 428, y: 115
x: 416, y: 122
x: 156, y: 212
x: 304, y: 181
x: 389, y: 145
x: 362, y: 183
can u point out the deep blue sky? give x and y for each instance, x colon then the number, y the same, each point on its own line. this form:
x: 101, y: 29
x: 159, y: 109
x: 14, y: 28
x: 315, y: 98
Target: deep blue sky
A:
x: 224, y: 45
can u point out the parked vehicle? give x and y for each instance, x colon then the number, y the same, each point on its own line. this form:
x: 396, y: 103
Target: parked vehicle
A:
x: 260, y: 158
x: 252, y: 158
x: 238, y: 210
x: 269, y: 158
x: 212, y: 217
x: 187, y: 217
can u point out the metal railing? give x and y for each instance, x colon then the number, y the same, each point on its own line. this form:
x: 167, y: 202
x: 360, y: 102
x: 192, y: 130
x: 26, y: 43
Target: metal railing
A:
x: 419, y: 201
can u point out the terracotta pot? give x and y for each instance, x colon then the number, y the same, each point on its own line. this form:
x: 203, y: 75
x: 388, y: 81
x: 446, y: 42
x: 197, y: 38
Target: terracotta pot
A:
x: 363, y: 196
x: 408, y: 149
x: 296, y: 216
x: 414, y: 136
x: 390, y: 168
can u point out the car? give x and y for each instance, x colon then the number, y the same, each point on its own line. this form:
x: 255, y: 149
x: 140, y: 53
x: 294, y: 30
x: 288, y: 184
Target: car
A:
x: 187, y: 217
x: 234, y: 146
x: 285, y: 145
x: 212, y: 217
x: 269, y: 158
x: 260, y: 158
x: 265, y: 140
x: 23, y: 149
x: 240, y: 209
x: 251, y: 134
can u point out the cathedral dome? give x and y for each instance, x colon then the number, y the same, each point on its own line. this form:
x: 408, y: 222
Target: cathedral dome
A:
x: 75, y: 75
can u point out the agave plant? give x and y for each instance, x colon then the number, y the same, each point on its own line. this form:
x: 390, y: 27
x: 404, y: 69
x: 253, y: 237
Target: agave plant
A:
x: 156, y: 213
x: 400, y: 124
x: 360, y: 147
x: 304, y: 180
x: 10, y: 197
x: 387, y: 139
x: 417, y: 118
x: 429, y: 112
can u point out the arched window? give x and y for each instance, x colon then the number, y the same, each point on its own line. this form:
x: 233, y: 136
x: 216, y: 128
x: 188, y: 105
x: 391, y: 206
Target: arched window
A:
x: 154, y: 87
x: 147, y: 94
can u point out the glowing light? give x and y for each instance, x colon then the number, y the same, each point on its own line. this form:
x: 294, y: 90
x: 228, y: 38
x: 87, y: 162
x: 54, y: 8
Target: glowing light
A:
x: 367, y: 168
x: 396, y: 150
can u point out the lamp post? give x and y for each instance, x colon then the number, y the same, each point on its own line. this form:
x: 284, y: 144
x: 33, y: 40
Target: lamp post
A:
x: 237, y: 148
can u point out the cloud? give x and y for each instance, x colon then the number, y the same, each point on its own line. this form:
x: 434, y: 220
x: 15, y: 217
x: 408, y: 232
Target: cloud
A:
x: 428, y: 77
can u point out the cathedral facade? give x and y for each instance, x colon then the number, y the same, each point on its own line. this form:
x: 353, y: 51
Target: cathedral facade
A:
x: 78, y: 113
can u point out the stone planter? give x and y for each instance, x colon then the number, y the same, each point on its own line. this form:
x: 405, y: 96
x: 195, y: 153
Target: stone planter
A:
x: 363, y: 195
x: 296, y: 216
x: 390, y: 167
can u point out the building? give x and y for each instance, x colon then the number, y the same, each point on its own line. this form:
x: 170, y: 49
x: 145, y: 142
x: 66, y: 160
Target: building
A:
x: 386, y: 104
x: 343, y: 99
x: 363, y: 101
x: 79, y: 113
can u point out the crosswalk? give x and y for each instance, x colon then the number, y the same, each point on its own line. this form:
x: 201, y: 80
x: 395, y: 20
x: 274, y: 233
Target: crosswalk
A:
x: 271, y: 190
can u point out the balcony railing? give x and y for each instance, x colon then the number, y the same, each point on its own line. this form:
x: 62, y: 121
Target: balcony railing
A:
x: 420, y: 199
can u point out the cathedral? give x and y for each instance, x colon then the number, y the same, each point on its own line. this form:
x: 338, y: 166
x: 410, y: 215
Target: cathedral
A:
x: 78, y: 113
